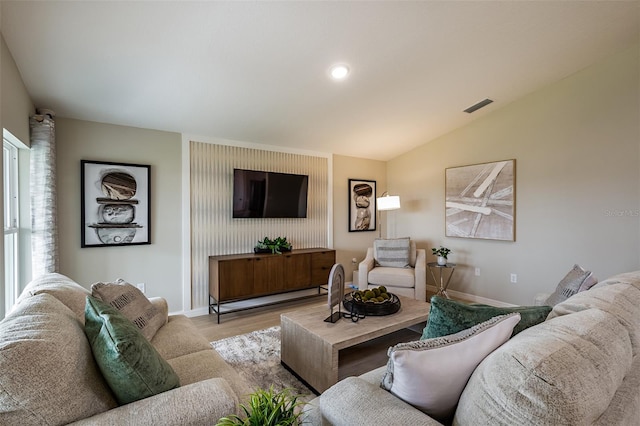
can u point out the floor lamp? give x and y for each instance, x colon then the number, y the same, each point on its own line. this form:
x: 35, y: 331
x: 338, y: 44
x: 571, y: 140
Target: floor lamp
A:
x: 386, y: 202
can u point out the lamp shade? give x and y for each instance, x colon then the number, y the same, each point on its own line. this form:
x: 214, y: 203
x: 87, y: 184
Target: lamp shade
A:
x: 390, y: 202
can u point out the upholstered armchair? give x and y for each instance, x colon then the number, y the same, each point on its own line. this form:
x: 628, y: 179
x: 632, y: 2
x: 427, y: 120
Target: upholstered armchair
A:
x: 396, y: 264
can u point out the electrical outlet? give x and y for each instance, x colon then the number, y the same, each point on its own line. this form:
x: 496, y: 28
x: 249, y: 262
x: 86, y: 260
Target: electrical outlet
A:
x: 514, y: 278
x: 140, y: 287
x: 477, y: 272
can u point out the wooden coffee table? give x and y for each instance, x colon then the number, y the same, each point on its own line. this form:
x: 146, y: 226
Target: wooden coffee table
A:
x: 311, y: 347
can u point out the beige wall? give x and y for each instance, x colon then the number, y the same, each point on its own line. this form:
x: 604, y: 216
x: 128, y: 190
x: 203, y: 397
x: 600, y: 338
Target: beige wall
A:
x: 157, y: 265
x: 16, y: 103
x: 15, y: 109
x: 353, y: 244
x: 576, y: 145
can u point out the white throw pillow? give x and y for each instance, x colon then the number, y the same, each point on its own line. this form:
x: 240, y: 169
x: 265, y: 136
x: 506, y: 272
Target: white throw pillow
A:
x: 392, y: 253
x: 431, y: 374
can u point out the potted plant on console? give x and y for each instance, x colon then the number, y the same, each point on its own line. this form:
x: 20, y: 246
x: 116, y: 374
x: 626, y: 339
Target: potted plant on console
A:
x: 442, y: 253
x: 276, y: 246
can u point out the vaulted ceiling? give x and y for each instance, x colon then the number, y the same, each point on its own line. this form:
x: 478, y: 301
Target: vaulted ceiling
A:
x: 258, y: 71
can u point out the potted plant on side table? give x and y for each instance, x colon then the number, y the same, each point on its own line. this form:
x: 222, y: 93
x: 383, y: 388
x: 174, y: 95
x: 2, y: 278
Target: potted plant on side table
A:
x: 442, y: 253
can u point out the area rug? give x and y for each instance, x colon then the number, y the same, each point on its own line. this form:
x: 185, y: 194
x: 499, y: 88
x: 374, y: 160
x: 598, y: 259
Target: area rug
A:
x: 256, y: 357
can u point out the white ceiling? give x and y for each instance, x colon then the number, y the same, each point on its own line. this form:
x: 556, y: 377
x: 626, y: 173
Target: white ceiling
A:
x: 257, y: 71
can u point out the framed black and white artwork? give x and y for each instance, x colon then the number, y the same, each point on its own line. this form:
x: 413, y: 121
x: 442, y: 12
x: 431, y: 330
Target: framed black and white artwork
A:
x: 362, y: 205
x: 480, y: 201
x: 116, y: 204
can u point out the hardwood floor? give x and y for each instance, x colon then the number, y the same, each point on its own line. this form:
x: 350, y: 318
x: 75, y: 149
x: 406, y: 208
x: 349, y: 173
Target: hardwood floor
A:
x: 353, y: 361
x: 242, y: 322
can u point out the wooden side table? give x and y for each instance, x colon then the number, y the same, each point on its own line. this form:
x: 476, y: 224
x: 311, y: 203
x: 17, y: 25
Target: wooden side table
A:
x: 442, y: 291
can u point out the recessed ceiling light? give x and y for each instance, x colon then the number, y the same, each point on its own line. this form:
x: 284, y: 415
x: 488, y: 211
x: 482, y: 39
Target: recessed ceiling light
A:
x: 339, y: 72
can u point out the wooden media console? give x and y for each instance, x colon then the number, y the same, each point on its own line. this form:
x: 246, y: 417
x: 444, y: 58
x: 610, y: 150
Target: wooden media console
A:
x: 237, y: 277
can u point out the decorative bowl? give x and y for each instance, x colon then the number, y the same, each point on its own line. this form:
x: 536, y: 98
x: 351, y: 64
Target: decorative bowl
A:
x: 388, y: 307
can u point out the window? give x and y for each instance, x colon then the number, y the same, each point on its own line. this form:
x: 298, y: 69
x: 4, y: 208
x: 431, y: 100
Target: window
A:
x: 11, y: 226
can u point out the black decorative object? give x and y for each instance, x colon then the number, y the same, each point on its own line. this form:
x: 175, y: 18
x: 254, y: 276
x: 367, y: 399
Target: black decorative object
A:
x: 388, y: 307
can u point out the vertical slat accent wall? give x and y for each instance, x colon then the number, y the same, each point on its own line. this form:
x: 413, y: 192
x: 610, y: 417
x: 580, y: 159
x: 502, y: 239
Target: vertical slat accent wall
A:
x: 215, y: 232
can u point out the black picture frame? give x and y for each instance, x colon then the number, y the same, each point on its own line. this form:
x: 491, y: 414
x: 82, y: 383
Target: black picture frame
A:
x: 115, y: 204
x: 362, y: 218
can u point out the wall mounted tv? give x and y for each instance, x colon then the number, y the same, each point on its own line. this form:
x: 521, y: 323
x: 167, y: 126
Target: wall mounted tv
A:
x: 269, y: 194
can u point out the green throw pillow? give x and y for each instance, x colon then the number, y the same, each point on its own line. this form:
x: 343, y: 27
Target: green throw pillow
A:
x: 449, y: 316
x: 129, y: 363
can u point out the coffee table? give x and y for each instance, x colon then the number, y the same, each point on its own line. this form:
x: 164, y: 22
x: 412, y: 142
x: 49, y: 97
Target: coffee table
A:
x: 311, y: 347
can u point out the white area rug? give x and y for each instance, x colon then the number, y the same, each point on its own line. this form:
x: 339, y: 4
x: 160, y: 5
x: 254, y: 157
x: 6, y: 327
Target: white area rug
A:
x: 256, y: 357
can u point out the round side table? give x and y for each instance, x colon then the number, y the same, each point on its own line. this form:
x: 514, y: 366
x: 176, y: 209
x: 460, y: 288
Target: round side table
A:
x: 442, y: 291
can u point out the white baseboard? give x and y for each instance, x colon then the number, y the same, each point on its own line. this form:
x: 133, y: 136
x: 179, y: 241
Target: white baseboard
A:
x: 432, y: 289
x: 193, y: 312
x: 253, y: 303
x: 472, y: 297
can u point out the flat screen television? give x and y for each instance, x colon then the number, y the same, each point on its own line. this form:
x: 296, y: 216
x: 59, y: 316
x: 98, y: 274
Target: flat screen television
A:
x: 258, y: 194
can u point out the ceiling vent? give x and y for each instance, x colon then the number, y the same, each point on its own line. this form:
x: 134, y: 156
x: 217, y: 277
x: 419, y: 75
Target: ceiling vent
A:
x: 477, y: 106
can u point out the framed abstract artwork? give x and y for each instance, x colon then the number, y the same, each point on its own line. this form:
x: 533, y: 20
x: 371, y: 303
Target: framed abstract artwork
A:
x: 115, y: 203
x: 480, y: 201
x: 362, y: 205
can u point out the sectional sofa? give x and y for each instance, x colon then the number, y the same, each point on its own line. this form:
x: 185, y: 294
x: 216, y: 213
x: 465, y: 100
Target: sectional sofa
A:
x: 579, y: 367
x: 48, y: 374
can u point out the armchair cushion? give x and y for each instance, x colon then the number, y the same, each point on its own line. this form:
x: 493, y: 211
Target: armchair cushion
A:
x: 394, y: 277
x: 393, y: 253
x: 409, y: 282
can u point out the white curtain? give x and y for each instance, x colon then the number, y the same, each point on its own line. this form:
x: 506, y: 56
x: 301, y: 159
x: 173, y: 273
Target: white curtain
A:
x: 44, y: 227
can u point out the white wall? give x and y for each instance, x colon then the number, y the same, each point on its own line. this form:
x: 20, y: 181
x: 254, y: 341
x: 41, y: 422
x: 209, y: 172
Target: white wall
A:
x: 158, y: 265
x: 576, y: 145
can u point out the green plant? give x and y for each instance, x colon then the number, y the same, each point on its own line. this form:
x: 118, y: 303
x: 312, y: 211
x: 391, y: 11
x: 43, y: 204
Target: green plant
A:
x: 267, y: 408
x: 276, y: 246
x: 442, y: 251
